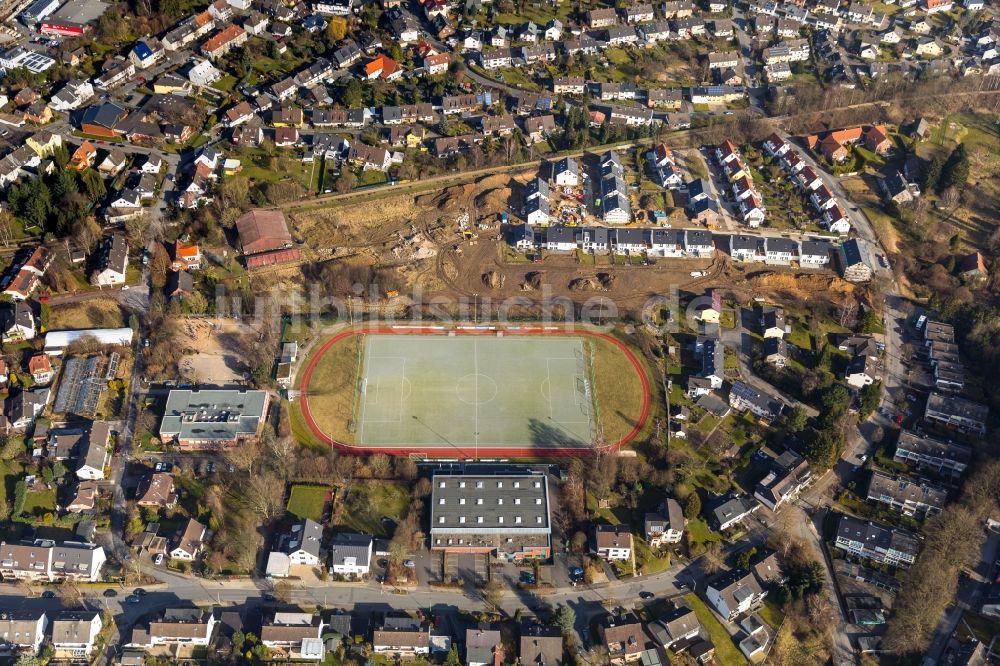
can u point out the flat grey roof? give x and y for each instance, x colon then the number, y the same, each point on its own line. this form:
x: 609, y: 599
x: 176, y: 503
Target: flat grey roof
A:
x: 497, y: 504
x: 212, y: 413
x: 80, y: 11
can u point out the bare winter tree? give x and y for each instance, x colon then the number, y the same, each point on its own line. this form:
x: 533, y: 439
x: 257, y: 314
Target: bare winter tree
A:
x: 264, y: 494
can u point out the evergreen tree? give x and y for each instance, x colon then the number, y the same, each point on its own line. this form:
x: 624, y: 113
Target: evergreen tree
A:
x: 565, y: 619
x: 932, y: 174
x: 692, y: 505
x: 956, y: 170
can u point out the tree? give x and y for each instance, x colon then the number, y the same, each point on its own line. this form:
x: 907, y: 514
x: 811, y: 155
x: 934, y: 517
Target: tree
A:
x: 692, y: 505
x: 246, y: 456
x: 196, y: 303
x: 807, y: 581
x: 493, y: 594
x: 283, y: 591
x: 565, y: 619
x: 346, y: 181
x: 352, y: 94
x: 20, y: 495
x: 27, y: 660
x: 955, y: 172
x: 452, y: 659
x: 871, y: 396
x: 796, y: 419
x: 932, y: 174
x: 159, y: 264
x: 744, y: 557
x: 264, y: 494
x: 10, y: 448
x: 712, y: 561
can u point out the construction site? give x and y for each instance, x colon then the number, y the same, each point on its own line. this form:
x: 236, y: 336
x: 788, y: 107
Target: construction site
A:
x: 450, y: 244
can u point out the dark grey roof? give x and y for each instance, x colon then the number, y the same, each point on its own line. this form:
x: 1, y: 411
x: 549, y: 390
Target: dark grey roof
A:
x: 743, y: 242
x: 344, y: 545
x: 503, y: 503
x: 874, y: 536
x: 105, y: 115
x: 306, y: 536
x: 699, y: 237
x: 775, y: 244
x: 815, y: 248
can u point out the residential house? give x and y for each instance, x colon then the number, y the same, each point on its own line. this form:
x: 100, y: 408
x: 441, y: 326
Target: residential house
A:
x: 295, y: 635
x: 623, y: 638
x: 743, y: 397
x: 24, y: 407
x: 17, y: 322
x: 541, y: 645
x: 23, y: 630
x: 789, y: 473
x: 93, y: 452
x: 732, y: 512
x: 772, y: 322
x: 351, y: 554
x: 74, y: 633
x: 871, y: 541
x: 83, y: 157
x: 84, y: 497
x: 483, y: 646
x: 44, y: 560
x: 776, y: 352
x: 665, y: 527
x: 185, y: 257
x: 911, y: 498
x: 861, y: 371
x: 189, y: 541
x: 156, y: 490
x: 678, y: 629
x: 401, y: 637
x: 613, y: 542
x: 856, y: 262
x: 113, y: 263
x: 177, y: 627
x: 734, y: 593
x: 925, y: 452
x: 113, y: 163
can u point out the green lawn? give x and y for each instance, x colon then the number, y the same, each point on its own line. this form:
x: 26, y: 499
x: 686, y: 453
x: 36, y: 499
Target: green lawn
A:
x: 307, y: 501
x: 726, y: 652
x: 367, y: 502
x: 39, y: 502
x: 226, y: 83
x: 372, y: 177
x: 648, y: 560
x: 698, y: 531
x: 771, y: 613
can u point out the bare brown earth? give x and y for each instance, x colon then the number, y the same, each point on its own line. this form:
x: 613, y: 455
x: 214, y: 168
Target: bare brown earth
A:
x: 448, y: 244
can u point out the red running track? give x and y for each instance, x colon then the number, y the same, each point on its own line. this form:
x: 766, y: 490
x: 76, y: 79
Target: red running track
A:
x: 470, y: 452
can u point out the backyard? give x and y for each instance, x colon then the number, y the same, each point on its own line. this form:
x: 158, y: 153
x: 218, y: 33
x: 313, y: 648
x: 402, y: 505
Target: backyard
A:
x: 372, y: 507
x: 305, y: 501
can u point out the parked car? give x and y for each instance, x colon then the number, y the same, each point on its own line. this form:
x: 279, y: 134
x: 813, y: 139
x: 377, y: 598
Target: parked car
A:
x: 410, y: 564
x: 158, y: 560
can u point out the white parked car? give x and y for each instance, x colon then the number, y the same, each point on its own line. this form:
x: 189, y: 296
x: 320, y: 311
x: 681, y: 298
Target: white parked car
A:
x: 697, y: 273
x: 159, y: 559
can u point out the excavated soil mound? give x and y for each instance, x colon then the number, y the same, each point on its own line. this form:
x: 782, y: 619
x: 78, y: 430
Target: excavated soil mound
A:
x: 585, y: 284
x: 494, y: 201
x: 493, y: 280
x: 803, y: 285
x: 532, y: 281
x: 450, y: 199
